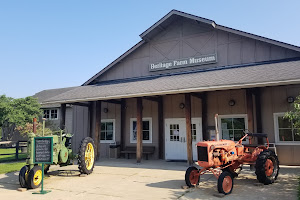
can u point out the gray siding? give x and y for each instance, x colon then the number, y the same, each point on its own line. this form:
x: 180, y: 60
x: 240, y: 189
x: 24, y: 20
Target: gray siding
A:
x: 149, y: 111
x: 69, y: 119
x: 80, y: 126
x: 217, y: 103
x: 186, y: 38
x: 113, y: 113
x: 274, y: 100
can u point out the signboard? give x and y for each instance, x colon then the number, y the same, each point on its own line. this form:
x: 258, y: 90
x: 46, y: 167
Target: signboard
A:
x: 43, y: 150
x: 187, y: 62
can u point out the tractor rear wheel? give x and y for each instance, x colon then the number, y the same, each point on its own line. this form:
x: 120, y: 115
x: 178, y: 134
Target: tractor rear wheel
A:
x: 267, y: 167
x: 23, y: 176
x: 192, y: 177
x: 34, y: 177
x: 86, y: 156
x: 225, y: 183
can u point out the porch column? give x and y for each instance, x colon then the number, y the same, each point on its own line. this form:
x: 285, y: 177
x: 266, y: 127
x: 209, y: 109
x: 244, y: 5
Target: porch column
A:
x: 139, y: 130
x: 97, y: 129
x: 188, y: 128
x: 204, y: 116
x: 62, y: 112
x: 91, y: 119
x: 249, y: 101
x: 123, y: 116
x: 160, y: 127
x: 257, y: 97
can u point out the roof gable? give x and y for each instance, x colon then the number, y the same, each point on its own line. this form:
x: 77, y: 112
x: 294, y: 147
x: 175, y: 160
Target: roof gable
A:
x: 151, y: 33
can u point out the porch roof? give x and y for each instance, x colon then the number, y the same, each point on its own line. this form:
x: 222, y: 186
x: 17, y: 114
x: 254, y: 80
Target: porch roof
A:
x: 222, y: 78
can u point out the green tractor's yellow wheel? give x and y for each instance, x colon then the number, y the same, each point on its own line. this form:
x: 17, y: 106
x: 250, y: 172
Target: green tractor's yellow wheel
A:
x: 35, y: 177
x: 86, y: 156
x: 89, y: 156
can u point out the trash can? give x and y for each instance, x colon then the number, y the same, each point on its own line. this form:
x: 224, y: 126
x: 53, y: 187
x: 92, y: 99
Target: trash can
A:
x: 114, y: 150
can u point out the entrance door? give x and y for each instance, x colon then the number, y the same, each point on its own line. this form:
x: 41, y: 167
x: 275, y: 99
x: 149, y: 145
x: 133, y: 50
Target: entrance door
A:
x: 175, y: 133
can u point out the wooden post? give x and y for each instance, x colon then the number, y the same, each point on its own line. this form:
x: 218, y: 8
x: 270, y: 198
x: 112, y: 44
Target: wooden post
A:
x: 160, y: 127
x: 17, y: 150
x: 97, y: 128
x: 204, y: 115
x: 188, y: 128
x: 123, y: 116
x: 258, y: 113
x: 139, y: 130
x: 249, y: 101
x: 91, y: 109
x: 62, y: 116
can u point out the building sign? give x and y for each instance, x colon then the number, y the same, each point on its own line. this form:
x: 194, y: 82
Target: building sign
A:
x: 187, y: 62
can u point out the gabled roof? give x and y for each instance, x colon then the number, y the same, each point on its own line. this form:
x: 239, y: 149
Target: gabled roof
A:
x: 222, y: 78
x: 175, y: 14
x: 44, y: 95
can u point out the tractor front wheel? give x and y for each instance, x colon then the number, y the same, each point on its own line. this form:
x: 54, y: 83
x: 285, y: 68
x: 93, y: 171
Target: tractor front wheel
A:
x: 86, y: 156
x: 192, y: 177
x: 225, y: 183
x: 267, y: 167
x: 23, y: 176
x: 35, y: 177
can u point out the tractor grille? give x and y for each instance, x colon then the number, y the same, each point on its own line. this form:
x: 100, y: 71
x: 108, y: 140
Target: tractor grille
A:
x: 202, y: 154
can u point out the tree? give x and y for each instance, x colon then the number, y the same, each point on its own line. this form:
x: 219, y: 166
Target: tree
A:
x: 294, y: 115
x: 18, y: 111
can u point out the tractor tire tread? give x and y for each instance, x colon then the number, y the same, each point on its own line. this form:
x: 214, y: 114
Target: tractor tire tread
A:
x: 22, y: 176
x: 81, y: 156
x: 30, y: 181
x: 220, y: 182
x: 260, y: 167
x: 187, y: 176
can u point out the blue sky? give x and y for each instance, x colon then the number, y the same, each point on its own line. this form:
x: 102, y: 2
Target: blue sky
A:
x: 55, y: 44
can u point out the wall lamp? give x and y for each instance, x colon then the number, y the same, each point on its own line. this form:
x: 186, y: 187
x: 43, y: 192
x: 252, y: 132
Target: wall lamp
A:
x: 231, y: 102
x: 290, y: 99
x: 105, y: 110
x: 181, y: 105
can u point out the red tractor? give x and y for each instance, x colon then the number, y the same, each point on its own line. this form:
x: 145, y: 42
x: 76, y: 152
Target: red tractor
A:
x: 224, y: 158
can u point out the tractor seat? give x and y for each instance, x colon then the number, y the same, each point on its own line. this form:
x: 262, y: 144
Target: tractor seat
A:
x: 250, y: 145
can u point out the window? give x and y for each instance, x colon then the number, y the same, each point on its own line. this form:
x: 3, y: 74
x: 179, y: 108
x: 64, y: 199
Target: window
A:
x: 107, y: 131
x: 232, y: 126
x: 285, y: 131
x: 51, y: 114
x: 194, y: 133
x: 174, y: 132
x: 147, y: 130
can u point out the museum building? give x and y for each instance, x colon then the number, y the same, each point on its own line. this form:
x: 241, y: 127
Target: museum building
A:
x: 159, y: 98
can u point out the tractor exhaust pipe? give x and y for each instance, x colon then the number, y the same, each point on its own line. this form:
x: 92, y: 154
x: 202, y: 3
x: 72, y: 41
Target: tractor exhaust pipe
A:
x: 34, y: 125
x: 217, y: 127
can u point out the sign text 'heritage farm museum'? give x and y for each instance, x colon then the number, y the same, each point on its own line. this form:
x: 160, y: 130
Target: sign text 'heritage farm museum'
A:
x: 200, y: 60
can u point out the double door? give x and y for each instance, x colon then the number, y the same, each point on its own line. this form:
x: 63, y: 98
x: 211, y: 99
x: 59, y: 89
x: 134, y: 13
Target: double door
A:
x: 175, y: 138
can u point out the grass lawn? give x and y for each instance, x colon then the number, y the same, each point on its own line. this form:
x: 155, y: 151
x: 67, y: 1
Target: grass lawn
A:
x: 11, y: 167
x: 10, y: 157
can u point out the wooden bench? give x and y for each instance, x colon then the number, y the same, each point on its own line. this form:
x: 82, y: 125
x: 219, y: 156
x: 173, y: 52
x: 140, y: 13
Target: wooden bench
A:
x: 147, y: 150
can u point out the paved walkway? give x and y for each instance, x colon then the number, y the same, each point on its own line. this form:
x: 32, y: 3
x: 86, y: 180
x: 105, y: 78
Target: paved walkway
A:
x: 124, y: 179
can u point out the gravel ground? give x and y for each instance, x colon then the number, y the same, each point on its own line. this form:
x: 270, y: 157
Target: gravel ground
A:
x: 152, y: 179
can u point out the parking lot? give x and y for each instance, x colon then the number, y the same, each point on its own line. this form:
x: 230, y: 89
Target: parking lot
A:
x: 152, y: 179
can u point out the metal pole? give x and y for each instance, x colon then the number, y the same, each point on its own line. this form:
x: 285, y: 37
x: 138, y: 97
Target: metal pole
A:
x: 44, y: 126
x: 217, y: 127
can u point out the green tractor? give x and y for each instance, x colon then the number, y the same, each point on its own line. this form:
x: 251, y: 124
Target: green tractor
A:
x: 30, y: 175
